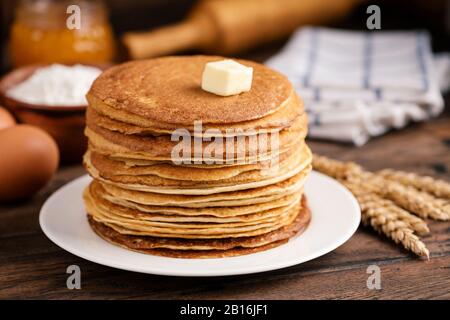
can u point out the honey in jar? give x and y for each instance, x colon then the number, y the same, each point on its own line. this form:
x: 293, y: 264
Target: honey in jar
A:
x: 41, y: 33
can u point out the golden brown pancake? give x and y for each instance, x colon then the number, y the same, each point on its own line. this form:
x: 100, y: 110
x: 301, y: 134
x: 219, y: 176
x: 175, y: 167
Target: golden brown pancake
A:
x: 187, y: 231
x: 115, y: 144
x: 95, y: 197
x: 168, y: 90
x: 230, y: 213
x: 148, y: 182
x: 114, y: 217
x: 108, y: 167
x: 247, y: 180
x: 233, y: 198
x: 205, y: 248
x: 127, y: 123
x: 238, y: 195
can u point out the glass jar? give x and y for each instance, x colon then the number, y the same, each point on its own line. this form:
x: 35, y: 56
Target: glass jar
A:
x: 43, y: 32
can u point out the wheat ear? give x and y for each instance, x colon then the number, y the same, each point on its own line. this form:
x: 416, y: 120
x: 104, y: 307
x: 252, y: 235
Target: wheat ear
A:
x: 438, y: 188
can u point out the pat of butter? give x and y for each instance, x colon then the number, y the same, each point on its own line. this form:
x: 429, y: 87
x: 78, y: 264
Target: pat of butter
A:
x: 226, y: 78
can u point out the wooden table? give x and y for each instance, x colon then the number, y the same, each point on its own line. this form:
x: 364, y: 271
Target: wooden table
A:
x: 31, y: 266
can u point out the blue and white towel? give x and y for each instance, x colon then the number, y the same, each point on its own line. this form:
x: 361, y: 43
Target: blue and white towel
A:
x: 360, y: 84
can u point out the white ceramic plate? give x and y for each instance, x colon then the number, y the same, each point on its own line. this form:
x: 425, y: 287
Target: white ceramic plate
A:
x: 335, y: 217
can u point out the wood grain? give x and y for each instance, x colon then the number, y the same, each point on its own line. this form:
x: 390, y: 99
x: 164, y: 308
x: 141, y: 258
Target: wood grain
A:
x: 31, y: 266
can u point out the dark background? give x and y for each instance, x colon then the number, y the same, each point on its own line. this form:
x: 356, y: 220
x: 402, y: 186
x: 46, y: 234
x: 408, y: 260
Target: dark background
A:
x: 127, y: 15
x: 33, y: 267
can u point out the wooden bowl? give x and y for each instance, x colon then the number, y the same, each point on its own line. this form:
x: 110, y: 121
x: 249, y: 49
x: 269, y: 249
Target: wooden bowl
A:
x: 64, y: 123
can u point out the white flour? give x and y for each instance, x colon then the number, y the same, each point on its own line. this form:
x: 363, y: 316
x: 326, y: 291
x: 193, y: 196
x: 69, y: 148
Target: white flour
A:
x: 56, y: 85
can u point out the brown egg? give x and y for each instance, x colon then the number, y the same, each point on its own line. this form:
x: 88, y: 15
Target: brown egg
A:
x: 28, y: 159
x: 6, y: 119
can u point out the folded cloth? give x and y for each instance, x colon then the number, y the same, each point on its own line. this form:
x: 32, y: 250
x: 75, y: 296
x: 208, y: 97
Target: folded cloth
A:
x: 360, y: 84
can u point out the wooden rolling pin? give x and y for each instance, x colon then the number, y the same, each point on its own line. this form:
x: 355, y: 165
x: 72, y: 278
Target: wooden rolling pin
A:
x: 230, y: 26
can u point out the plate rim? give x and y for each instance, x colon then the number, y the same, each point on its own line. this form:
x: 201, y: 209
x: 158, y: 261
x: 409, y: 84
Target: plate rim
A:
x: 204, y: 273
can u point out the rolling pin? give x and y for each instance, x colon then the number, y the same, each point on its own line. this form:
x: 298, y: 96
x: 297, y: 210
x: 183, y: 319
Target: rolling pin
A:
x: 230, y: 26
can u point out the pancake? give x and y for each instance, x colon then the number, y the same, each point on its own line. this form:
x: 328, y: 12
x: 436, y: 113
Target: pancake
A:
x: 255, y: 179
x: 181, y: 172
x: 127, y: 123
x: 211, y: 214
x: 154, y: 183
x: 103, y: 209
x: 261, y: 162
x: 205, y: 248
x: 251, y: 213
x: 109, y: 167
x: 168, y: 90
x: 234, y: 198
x: 187, y: 230
x: 248, y: 150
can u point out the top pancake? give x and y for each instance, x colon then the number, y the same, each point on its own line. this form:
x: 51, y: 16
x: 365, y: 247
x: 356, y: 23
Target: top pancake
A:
x: 128, y: 123
x: 168, y: 90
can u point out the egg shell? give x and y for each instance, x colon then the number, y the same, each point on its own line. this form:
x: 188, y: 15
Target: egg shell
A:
x: 28, y: 159
x: 6, y: 119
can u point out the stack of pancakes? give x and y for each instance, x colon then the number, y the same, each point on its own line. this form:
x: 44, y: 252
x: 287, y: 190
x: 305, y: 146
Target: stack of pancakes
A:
x: 244, y: 197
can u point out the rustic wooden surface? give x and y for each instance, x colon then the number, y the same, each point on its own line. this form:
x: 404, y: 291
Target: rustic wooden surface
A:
x: 31, y: 266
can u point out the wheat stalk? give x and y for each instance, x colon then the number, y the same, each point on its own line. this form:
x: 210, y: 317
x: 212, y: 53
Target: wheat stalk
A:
x: 400, y: 233
x: 369, y: 200
x: 387, y: 204
x: 409, y: 198
x: 387, y: 218
x: 334, y: 168
x: 438, y: 188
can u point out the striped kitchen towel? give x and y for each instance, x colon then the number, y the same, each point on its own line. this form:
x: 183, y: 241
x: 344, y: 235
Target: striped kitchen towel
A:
x: 361, y: 84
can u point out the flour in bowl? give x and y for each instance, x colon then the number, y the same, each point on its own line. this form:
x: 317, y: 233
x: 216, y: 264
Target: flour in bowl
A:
x: 56, y: 85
